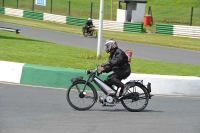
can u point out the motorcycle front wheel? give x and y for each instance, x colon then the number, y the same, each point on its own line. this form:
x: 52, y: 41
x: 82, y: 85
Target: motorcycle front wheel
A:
x: 94, y: 33
x: 79, y: 99
x: 136, y: 98
x: 85, y: 34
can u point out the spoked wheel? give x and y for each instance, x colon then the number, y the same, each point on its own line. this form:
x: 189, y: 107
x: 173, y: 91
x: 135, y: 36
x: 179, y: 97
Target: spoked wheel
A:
x: 94, y: 34
x: 136, y: 98
x: 79, y: 99
x: 84, y: 33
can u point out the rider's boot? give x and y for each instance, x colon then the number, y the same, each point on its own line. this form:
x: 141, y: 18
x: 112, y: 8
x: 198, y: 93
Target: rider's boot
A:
x: 120, y: 93
x: 123, y: 91
x: 103, y: 104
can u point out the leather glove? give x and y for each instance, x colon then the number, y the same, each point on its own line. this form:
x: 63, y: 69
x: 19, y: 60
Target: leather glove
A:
x: 105, y: 64
x: 107, y: 68
x: 115, y: 68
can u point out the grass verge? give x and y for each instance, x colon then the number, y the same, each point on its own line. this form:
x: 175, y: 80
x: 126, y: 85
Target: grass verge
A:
x: 18, y: 48
x: 155, y: 39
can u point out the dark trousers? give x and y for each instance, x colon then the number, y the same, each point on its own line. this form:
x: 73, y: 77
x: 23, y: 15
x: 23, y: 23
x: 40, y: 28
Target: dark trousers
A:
x: 116, y: 77
x: 88, y: 28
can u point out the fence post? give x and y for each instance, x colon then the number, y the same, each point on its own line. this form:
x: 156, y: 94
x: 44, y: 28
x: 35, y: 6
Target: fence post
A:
x: 150, y: 13
x: 69, y: 8
x: 33, y: 5
x: 91, y: 6
x: 191, y: 16
x: 3, y: 3
x: 17, y: 3
x: 149, y: 10
x: 51, y: 6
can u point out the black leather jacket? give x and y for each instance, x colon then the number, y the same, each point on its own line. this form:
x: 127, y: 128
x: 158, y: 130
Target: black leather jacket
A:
x: 89, y: 23
x: 119, y: 60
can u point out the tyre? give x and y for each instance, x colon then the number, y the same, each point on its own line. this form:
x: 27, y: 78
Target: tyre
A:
x: 84, y: 32
x: 136, y: 98
x: 79, y: 99
x: 94, y: 34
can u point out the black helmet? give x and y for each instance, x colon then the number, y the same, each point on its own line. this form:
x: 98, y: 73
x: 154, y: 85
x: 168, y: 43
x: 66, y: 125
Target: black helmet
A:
x: 110, y: 45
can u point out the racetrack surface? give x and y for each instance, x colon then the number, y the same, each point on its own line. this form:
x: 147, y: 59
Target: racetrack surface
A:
x: 144, y: 51
x: 29, y: 109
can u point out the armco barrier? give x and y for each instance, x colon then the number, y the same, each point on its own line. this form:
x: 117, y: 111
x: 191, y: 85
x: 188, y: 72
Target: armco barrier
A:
x: 33, y: 15
x: 133, y: 27
x: 60, y: 77
x: 178, y: 30
x: 2, y: 10
x: 110, y: 25
x: 107, y: 25
x: 76, y: 21
x: 14, y: 12
x: 55, y: 18
x: 164, y: 29
x: 186, y: 31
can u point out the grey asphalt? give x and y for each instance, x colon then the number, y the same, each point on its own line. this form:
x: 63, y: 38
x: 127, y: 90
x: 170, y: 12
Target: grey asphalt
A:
x: 26, y: 109
x: 144, y: 51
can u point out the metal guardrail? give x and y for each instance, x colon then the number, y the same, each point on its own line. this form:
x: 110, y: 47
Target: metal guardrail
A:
x: 107, y: 24
x: 178, y: 30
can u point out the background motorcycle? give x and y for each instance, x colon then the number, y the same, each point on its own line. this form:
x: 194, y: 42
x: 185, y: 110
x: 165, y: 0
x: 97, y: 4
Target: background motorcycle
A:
x: 91, y: 31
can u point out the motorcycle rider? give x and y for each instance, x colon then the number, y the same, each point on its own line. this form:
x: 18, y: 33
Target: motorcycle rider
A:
x: 88, y: 24
x: 118, y: 63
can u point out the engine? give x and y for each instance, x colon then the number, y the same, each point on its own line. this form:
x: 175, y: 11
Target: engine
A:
x: 107, y: 99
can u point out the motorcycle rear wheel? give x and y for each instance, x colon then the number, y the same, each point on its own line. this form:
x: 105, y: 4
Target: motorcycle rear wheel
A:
x: 136, y: 98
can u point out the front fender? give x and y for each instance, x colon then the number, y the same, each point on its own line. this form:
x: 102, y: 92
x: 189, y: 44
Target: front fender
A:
x: 76, y: 79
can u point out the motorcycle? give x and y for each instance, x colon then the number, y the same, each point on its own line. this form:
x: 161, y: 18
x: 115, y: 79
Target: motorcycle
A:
x: 82, y: 95
x: 90, y: 32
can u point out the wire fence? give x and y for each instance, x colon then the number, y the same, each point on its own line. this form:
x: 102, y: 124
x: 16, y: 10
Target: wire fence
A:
x: 176, y: 15
x: 79, y: 8
x: 161, y: 14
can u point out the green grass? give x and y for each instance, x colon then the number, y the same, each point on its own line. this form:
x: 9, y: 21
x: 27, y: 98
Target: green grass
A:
x: 164, y: 11
x: 180, y: 3
x: 18, y: 48
x: 175, y: 11
x: 155, y: 39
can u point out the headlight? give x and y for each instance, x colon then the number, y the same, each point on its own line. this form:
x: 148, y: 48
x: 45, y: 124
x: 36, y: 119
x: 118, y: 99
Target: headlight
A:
x: 87, y: 71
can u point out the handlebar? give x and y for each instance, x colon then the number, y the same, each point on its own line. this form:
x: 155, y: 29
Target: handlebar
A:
x: 98, y: 70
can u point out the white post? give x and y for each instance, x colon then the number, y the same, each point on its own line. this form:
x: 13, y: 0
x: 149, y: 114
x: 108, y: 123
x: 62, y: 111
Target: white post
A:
x: 100, y: 28
x: 111, y: 10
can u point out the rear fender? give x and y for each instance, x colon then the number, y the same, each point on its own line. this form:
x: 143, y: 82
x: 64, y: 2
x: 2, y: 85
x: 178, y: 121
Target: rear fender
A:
x: 132, y: 83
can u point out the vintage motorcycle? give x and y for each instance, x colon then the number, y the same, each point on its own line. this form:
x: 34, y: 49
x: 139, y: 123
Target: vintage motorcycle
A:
x: 82, y: 95
x: 91, y: 32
